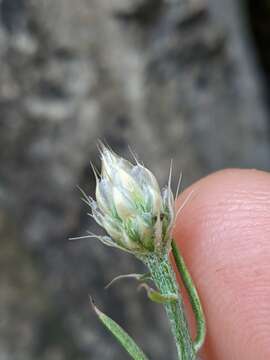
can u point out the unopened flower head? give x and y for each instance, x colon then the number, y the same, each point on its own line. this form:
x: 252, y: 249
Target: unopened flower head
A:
x: 129, y: 205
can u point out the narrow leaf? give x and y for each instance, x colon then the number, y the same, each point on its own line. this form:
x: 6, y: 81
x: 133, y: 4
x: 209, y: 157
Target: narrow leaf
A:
x: 193, y: 297
x: 138, y: 277
x: 125, y: 340
x: 157, y: 296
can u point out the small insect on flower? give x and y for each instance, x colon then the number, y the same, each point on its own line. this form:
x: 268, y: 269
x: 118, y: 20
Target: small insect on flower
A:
x: 130, y: 206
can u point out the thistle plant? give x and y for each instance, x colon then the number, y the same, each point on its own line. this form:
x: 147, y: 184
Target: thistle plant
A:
x: 138, y: 218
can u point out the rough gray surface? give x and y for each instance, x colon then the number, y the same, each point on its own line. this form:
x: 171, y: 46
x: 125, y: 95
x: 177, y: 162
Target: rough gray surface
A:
x: 171, y: 79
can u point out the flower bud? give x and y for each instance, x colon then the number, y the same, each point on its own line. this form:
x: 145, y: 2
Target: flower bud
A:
x: 130, y: 207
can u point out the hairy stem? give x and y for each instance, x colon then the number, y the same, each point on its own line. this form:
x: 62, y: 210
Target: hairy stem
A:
x: 164, y: 278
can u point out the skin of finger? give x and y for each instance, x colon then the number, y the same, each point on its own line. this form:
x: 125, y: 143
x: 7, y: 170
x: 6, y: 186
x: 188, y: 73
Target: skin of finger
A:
x: 224, y: 235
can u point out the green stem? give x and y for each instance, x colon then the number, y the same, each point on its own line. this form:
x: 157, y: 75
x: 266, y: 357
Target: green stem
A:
x: 193, y: 298
x: 164, y: 278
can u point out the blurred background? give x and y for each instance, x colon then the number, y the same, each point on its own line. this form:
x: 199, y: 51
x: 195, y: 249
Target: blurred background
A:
x: 181, y: 79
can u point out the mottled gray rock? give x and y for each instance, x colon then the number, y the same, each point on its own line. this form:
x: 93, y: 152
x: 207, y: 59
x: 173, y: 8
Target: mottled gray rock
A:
x: 171, y: 79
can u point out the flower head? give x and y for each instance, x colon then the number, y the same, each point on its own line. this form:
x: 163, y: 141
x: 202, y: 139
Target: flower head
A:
x: 129, y: 205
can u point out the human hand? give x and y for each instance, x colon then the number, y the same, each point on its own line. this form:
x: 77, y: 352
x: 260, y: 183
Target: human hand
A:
x: 224, y: 236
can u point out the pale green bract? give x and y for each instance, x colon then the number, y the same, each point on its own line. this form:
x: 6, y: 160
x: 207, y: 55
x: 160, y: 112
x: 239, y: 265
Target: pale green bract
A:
x: 130, y: 206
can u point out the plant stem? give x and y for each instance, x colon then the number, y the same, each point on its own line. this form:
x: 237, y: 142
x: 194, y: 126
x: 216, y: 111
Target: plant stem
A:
x: 164, y: 278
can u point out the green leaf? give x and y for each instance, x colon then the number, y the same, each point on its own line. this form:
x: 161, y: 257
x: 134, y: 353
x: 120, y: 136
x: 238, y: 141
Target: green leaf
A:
x: 193, y: 297
x: 125, y: 340
x: 157, y: 296
x: 138, y: 277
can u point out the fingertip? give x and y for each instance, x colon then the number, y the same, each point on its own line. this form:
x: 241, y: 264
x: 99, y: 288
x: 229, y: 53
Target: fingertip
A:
x: 223, y: 233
